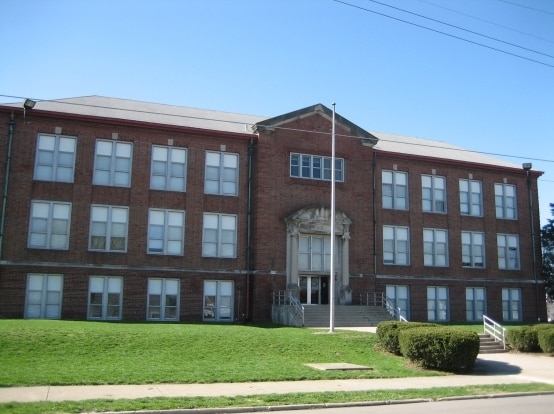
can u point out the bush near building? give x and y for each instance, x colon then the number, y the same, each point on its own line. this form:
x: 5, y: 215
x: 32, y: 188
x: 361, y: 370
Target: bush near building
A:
x: 536, y: 338
x: 388, y: 331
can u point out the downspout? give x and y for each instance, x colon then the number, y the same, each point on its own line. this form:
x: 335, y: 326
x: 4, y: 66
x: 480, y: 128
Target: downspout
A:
x: 249, y: 230
x: 11, y: 128
x: 374, y: 217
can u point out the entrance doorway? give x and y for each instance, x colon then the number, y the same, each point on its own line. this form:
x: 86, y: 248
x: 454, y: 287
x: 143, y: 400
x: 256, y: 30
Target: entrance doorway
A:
x: 314, y: 290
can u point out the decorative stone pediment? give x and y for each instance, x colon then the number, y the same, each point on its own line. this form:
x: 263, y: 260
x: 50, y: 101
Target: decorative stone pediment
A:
x: 317, y: 219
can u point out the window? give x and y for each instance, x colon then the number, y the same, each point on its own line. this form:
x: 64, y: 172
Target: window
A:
x: 108, y: 228
x: 511, y: 304
x: 437, y: 304
x: 433, y: 193
x: 218, y: 300
x: 473, y: 249
x: 44, y: 296
x: 395, y: 190
x: 105, y: 297
x: 475, y: 304
x: 398, y: 298
x: 163, y: 300
x: 55, y: 159
x: 168, y: 170
x: 221, y: 173
x: 315, y: 167
x: 314, y: 253
x: 471, y: 198
x: 395, y: 245
x: 219, y: 235
x: 112, y: 164
x: 435, y: 248
x: 49, y: 227
x: 166, y: 230
x: 508, y: 251
x: 505, y: 201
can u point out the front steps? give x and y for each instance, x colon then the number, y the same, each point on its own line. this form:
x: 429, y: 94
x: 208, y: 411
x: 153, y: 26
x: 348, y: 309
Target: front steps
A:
x: 487, y: 345
x: 316, y: 316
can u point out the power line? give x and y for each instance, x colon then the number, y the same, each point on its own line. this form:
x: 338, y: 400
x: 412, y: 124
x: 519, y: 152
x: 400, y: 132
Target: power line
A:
x: 461, y: 28
x: 444, y: 33
x: 282, y: 128
x: 526, y: 7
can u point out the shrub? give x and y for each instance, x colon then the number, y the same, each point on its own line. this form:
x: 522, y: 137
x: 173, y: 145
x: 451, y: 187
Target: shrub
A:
x: 440, y: 348
x: 546, y: 339
x: 387, y: 333
x: 523, y: 339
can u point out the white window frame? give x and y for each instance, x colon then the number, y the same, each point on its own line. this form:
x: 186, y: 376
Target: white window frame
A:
x: 43, y: 296
x: 511, y: 305
x: 115, y: 223
x: 314, y: 253
x: 55, y: 158
x: 107, y: 292
x: 394, y: 188
x: 433, y: 193
x: 219, y: 235
x: 438, y: 304
x: 471, y: 197
x: 398, y: 296
x: 221, y: 175
x: 396, y: 245
x: 166, y: 232
x: 476, y: 303
x: 508, y: 251
x: 113, y: 163
x: 435, y: 247
x: 315, y: 167
x: 163, y: 299
x: 168, y: 170
x: 505, y: 201
x: 218, y: 301
x: 473, y: 248
x: 49, y: 225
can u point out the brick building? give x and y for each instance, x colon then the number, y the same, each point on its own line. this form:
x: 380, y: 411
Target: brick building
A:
x: 125, y: 210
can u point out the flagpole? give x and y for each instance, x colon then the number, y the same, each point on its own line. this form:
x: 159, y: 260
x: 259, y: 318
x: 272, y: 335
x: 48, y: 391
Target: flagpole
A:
x: 332, y: 259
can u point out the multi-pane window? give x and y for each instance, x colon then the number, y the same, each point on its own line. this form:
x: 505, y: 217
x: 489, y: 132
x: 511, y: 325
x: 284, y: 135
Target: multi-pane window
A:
x: 105, y: 297
x: 475, y: 304
x: 222, y: 173
x: 505, y: 201
x: 55, y: 159
x: 163, y: 300
x: 219, y: 237
x: 314, y: 253
x: 108, y: 228
x: 471, y: 198
x: 44, y: 296
x: 112, y: 163
x: 435, y: 247
x: 511, y: 304
x: 395, y: 190
x: 437, y: 304
x: 49, y: 225
x: 473, y: 249
x: 315, y: 167
x: 168, y: 170
x: 218, y: 300
x: 433, y: 193
x: 508, y: 251
x: 166, y: 230
x: 396, y: 245
x: 398, y: 298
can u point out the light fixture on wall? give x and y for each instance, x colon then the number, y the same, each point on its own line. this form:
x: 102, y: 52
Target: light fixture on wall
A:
x: 28, y: 104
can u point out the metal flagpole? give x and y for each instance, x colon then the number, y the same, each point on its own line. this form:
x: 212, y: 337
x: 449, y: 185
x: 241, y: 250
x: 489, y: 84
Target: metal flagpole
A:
x: 332, y: 259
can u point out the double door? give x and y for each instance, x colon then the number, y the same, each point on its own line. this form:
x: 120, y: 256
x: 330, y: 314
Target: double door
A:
x: 314, y: 290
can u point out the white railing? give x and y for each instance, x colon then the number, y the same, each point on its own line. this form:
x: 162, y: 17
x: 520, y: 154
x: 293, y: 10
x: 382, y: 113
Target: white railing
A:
x: 396, y: 312
x: 286, y: 298
x: 494, y: 329
x: 372, y: 299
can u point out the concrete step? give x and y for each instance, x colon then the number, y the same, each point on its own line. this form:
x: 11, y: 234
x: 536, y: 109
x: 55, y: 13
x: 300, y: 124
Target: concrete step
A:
x: 488, y: 345
x: 346, y: 316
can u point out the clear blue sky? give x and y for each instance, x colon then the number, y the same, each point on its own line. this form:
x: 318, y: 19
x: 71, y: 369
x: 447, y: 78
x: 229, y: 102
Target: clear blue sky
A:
x: 269, y: 57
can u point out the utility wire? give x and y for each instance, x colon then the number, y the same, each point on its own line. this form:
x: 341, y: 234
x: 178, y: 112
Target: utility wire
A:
x: 526, y: 7
x: 443, y: 33
x: 284, y: 128
x: 460, y: 28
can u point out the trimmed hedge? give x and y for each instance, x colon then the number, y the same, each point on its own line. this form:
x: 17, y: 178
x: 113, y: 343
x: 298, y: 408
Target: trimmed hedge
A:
x: 523, y: 339
x: 440, y: 348
x: 387, y: 333
x: 546, y: 339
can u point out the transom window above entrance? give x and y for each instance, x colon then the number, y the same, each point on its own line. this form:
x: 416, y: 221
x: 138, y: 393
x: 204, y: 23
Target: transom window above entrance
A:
x: 314, y: 253
x: 315, y: 167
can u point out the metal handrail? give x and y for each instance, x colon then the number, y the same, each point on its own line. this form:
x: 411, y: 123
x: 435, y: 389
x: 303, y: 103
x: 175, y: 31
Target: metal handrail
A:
x: 396, y: 312
x: 372, y: 299
x: 297, y: 306
x: 287, y: 298
x: 494, y: 329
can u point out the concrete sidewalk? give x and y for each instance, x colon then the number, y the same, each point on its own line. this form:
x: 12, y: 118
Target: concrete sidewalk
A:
x: 507, y: 368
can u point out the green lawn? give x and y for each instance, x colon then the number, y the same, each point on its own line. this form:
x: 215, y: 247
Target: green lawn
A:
x: 41, y: 352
